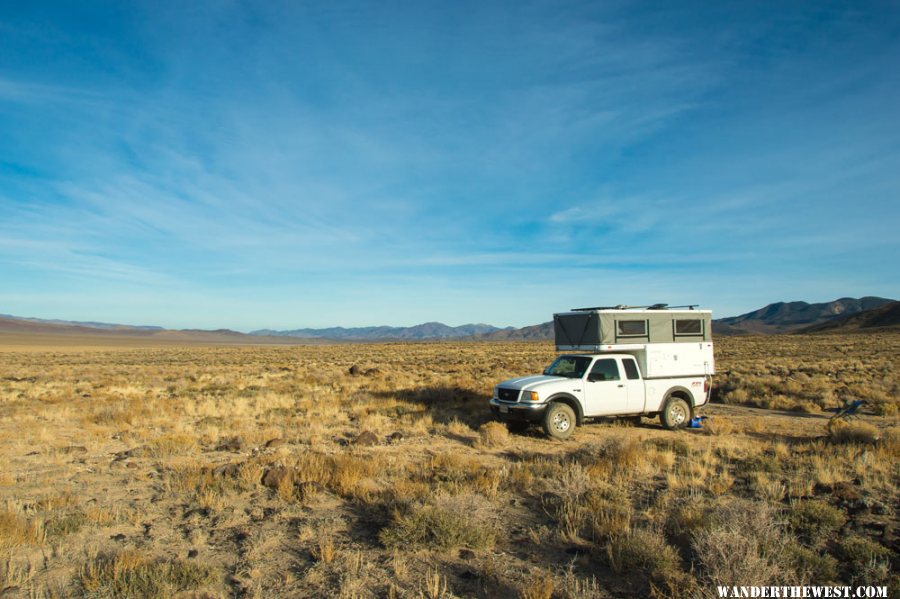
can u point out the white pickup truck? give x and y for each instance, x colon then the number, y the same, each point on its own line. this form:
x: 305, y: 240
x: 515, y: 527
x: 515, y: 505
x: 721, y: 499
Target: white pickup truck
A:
x: 642, y: 362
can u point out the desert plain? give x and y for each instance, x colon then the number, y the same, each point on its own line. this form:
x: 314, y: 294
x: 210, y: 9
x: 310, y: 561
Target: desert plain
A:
x: 133, y: 469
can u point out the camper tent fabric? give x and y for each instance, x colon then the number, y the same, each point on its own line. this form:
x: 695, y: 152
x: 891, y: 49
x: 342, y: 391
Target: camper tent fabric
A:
x: 586, y: 329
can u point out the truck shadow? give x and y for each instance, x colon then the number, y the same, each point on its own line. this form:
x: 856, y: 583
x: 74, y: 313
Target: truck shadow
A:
x: 445, y: 403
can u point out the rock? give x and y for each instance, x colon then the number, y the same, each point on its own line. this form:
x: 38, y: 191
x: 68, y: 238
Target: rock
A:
x: 355, y: 370
x: 274, y: 476
x: 193, y: 553
x: 231, y: 444
x: 119, y: 537
x: 227, y: 471
x: 395, y: 437
x: 846, y: 492
x: 134, y: 452
x: 274, y: 443
x: 366, y: 439
x: 466, y: 554
x: 256, y: 514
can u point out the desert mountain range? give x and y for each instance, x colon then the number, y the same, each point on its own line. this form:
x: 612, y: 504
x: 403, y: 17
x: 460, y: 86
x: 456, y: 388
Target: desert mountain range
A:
x: 841, y: 315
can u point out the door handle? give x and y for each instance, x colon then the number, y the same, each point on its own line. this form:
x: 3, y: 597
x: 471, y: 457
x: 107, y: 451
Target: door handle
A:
x: 621, y: 385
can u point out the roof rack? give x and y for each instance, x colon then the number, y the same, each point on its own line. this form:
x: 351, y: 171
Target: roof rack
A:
x: 624, y: 307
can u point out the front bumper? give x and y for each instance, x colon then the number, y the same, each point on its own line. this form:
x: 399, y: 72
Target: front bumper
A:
x: 512, y: 412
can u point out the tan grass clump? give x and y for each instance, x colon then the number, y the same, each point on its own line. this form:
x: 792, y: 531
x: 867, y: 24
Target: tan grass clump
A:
x: 539, y: 585
x: 16, y: 531
x: 493, y: 434
x: 854, y: 432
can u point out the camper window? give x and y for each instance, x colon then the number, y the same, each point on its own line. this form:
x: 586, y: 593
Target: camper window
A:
x: 688, y: 327
x: 631, y: 328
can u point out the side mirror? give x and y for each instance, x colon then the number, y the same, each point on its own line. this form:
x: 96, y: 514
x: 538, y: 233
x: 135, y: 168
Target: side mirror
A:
x: 596, y: 376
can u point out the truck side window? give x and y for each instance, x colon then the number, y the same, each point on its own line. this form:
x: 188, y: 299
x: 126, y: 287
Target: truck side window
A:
x: 605, y: 370
x: 631, y: 369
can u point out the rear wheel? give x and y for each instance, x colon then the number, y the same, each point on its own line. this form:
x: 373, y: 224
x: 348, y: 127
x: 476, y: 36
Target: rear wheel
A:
x: 676, y: 413
x: 559, y: 421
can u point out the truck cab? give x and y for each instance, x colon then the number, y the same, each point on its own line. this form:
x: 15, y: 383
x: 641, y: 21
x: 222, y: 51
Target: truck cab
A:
x: 611, y: 380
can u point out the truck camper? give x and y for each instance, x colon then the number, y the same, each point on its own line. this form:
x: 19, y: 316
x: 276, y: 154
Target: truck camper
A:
x: 616, y: 361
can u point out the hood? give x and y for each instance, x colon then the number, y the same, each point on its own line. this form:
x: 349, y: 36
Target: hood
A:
x: 531, y: 382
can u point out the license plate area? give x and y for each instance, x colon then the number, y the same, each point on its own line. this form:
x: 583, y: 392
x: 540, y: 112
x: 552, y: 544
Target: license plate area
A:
x: 504, y: 409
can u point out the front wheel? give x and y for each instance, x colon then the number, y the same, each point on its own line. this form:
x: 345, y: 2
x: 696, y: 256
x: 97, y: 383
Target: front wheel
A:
x: 676, y: 413
x: 559, y: 421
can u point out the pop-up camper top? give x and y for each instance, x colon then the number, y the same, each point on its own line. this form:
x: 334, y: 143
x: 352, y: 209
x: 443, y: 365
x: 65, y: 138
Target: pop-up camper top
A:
x: 666, y: 341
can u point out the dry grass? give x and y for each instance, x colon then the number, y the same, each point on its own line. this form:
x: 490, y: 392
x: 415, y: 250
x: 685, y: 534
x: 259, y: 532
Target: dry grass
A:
x: 265, y: 471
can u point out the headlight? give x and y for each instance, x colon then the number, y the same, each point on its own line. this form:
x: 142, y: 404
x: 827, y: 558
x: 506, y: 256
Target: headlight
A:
x: 532, y: 395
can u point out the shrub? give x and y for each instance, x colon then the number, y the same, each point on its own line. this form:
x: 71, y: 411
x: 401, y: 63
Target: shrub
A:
x: 811, y: 566
x: 744, y: 545
x: 566, y: 504
x: 493, y: 434
x: 450, y: 525
x: 646, y: 553
x: 864, y: 560
x: 610, y: 511
x: 814, y: 520
x: 66, y: 524
x: 129, y: 574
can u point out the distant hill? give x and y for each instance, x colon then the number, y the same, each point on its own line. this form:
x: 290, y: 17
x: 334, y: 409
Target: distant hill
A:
x: 788, y: 317
x: 428, y: 330
x: 38, y: 322
x: 536, y: 332
x: 883, y: 317
x: 36, y: 327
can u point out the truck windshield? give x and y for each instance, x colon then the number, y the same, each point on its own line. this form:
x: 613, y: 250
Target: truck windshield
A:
x: 572, y: 367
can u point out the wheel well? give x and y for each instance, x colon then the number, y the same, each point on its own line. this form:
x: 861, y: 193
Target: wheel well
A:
x: 572, y: 403
x: 682, y: 393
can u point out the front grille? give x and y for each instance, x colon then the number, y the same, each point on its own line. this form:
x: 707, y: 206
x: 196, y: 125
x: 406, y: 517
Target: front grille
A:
x: 504, y: 394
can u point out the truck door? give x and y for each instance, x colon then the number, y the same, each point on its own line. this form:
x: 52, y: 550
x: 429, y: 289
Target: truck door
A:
x: 605, y: 393
x: 635, y: 386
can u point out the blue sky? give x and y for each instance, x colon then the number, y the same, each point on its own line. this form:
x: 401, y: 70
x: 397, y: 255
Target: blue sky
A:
x: 288, y: 164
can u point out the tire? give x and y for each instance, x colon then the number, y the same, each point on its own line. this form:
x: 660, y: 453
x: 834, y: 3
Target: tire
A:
x: 559, y: 421
x: 676, y: 413
x: 517, y: 426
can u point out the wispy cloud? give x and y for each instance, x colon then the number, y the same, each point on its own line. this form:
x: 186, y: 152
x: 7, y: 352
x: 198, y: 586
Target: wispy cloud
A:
x: 354, y: 156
